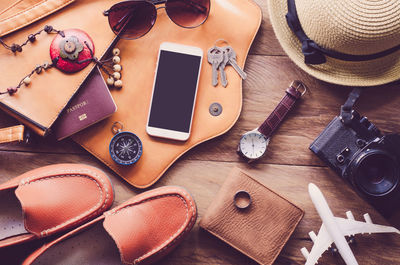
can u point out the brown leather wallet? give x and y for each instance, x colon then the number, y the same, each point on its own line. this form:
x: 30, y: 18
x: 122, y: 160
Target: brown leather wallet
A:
x: 260, y: 230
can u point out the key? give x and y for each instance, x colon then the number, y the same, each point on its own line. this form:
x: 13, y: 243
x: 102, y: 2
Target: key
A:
x: 232, y: 61
x: 215, y: 57
x: 221, y: 69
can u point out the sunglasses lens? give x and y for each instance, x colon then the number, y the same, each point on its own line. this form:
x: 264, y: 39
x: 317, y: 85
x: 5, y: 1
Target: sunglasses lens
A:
x: 188, y: 13
x: 132, y: 19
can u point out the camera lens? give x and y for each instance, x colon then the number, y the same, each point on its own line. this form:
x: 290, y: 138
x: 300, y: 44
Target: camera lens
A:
x: 377, y: 173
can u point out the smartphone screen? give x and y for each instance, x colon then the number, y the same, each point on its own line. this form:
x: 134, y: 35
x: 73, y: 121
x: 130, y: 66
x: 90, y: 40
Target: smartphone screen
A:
x: 174, y: 91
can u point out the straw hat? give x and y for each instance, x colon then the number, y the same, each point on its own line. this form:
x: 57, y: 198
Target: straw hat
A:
x: 364, y: 34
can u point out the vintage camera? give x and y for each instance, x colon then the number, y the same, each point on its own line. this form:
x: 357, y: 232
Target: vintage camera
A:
x: 370, y: 161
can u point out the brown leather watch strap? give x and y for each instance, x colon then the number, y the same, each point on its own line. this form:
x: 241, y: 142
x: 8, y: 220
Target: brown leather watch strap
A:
x: 12, y: 134
x: 280, y: 112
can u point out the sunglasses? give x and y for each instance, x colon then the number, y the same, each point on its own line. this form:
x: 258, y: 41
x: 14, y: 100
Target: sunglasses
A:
x: 134, y: 18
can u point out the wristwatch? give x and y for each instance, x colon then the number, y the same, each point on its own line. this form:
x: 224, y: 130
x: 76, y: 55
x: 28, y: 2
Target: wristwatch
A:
x: 253, y: 144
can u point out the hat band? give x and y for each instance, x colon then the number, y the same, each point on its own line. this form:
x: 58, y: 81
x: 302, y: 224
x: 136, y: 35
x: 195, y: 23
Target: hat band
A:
x: 313, y: 53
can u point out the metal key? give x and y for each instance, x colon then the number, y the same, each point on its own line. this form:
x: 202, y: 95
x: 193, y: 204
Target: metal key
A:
x: 221, y: 69
x: 215, y: 57
x: 232, y: 61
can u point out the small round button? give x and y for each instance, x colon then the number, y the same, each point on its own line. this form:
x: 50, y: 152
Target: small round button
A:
x: 69, y: 47
x: 215, y: 109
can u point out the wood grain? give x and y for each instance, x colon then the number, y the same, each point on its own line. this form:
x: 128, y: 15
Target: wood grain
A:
x: 287, y: 168
x: 266, y: 43
x: 265, y: 86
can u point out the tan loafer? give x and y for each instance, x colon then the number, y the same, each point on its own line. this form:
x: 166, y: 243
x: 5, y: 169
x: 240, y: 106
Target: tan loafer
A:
x: 51, y: 199
x: 140, y: 231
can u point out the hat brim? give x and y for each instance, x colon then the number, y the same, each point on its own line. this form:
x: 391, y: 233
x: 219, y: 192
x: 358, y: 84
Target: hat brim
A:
x: 367, y: 73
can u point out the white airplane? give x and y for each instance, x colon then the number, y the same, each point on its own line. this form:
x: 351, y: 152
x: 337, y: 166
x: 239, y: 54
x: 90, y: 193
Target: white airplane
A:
x: 334, y: 229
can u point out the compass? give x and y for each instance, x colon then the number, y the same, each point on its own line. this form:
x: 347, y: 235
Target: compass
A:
x: 125, y: 147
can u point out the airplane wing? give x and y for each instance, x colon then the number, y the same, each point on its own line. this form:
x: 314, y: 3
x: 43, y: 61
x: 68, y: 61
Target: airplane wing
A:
x: 321, y: 244
x: 351, y: 227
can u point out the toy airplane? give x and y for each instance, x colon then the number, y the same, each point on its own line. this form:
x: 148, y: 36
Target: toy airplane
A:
x: 334, y: 229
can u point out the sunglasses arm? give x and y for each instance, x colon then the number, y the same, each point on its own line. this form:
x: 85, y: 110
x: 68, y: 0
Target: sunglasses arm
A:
x: 200, y: 8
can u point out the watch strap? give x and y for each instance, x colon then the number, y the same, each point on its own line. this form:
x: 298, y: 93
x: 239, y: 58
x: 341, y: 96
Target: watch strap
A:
x: 279, y: 113
x: 12, y: 134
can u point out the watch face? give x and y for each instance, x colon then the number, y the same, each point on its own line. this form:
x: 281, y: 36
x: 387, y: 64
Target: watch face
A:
x: 125, y: 148
x: 253, y: 145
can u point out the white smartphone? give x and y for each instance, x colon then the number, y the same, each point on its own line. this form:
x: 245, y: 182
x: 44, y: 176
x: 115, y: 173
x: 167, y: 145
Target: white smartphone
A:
x: 174, y: 91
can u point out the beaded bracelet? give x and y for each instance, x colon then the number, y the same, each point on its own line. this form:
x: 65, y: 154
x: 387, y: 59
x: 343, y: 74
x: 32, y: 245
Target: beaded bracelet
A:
x: 31, y: 38
x: 71, y: 51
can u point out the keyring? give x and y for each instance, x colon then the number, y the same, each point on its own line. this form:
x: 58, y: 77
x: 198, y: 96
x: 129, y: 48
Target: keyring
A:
x: 242, y: 199
x: 117, y: 127
x: 220, y: 40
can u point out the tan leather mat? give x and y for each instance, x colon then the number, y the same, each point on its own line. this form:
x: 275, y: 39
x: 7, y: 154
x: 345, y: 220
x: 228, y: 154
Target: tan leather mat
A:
x: 236, y: 21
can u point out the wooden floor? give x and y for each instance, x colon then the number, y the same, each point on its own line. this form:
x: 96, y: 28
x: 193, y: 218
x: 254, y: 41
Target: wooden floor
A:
x: 287, y: 169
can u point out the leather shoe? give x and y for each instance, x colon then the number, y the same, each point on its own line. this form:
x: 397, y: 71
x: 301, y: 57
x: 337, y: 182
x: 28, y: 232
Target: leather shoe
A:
x: 51, y: 199
x: 140, y: 231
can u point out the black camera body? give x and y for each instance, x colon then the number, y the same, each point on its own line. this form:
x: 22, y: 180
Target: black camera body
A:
x: 370, y: 161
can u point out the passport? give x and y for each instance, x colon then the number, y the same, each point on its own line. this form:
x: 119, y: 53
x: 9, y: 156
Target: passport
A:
x: 92, y: 103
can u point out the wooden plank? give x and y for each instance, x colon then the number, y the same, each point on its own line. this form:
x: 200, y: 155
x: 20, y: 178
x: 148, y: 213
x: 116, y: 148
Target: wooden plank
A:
x: 268, y: 78
x: 203, y: 169
x: 266, y: 43
x: 203, y: 180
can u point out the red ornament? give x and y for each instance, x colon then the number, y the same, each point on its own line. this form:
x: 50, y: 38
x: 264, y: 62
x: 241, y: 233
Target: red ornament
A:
x: 70, y: 48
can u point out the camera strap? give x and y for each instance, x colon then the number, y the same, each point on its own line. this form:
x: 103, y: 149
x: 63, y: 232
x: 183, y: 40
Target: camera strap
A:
x: 347, y: 108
